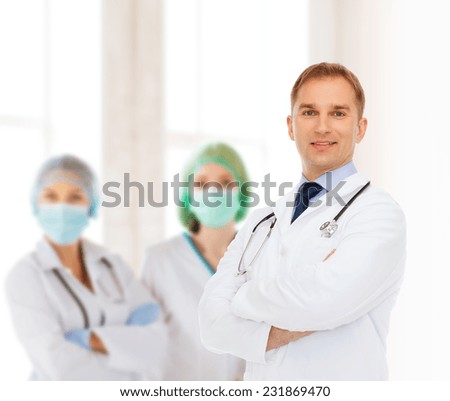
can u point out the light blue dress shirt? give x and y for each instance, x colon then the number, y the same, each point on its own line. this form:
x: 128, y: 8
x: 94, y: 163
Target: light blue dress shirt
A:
x: 331, y: 179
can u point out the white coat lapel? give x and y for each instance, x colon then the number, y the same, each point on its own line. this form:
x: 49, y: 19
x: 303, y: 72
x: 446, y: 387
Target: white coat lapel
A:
x: 284, y: 206
x: 92, y: 255
x: 100, y: 267
x: 350, y: 186
x: 283, y: 210
x: 47, y: 257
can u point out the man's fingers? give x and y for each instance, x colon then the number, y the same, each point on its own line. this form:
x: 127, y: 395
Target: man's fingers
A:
x: 302, y: 334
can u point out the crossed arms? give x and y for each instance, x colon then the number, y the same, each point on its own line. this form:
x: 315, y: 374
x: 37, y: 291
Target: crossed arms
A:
x: 249, y: 318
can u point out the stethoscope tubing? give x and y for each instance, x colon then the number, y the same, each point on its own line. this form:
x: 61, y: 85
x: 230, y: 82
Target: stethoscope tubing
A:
x: 341, y: 212
x: 77, y: 299
x: 74, y: 296
x: 269, y: 216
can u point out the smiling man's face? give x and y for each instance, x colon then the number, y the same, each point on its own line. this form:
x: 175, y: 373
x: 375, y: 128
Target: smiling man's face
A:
x: 325, y: 125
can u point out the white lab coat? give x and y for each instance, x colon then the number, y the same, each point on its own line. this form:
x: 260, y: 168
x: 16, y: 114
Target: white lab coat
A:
x: 176, y: 277
x: 346, y: 299
x: 42, y: 311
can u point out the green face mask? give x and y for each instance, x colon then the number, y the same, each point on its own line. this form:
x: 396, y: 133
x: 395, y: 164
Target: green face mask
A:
x: 215, y: 210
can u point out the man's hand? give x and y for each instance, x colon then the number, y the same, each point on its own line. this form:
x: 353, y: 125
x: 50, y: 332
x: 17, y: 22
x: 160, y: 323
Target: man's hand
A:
x: 279, y: 337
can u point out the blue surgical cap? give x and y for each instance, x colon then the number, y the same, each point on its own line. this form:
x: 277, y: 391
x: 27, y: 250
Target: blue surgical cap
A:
x: 71, y: 169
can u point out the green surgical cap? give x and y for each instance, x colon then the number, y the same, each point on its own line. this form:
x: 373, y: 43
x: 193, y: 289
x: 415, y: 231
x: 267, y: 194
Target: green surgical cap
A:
x: 225, y: 156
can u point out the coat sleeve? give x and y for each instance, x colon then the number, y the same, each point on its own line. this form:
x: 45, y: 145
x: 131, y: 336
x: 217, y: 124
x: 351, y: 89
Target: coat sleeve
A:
x: 149, y: 276
x: 365, y: 270
x: 135, y: 348
x: 221, y: 330
x: 154, y: 281
x: 38, y: 328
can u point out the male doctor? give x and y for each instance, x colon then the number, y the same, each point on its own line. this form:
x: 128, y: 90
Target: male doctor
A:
x: 297, y: 302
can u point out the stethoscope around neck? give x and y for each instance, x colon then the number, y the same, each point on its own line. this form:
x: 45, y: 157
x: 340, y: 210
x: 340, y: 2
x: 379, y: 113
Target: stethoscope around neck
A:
x: 76, y: 298
x: 327, y: 229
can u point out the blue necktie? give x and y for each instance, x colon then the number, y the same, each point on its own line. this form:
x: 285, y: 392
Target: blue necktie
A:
x: 306, y: 192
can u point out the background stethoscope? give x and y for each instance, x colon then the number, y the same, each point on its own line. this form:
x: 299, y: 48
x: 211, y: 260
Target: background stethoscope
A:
x: 327, y: 229
x: 77, y: 299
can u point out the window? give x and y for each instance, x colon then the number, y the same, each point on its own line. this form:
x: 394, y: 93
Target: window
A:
x: 49, y: 104
x: 229, y: 69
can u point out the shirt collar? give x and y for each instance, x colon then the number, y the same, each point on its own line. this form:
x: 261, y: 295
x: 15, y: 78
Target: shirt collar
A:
x: 332, y: 178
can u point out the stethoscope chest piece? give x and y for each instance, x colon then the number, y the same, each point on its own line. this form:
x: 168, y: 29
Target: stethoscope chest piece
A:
x: 328, y: 228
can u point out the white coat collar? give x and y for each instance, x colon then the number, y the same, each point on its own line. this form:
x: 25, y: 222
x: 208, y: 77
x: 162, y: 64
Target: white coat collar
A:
x: 284, y: 205
x: 93, y: 253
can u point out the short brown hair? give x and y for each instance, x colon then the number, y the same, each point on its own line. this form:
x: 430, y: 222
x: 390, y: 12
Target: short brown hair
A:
x: 325, y: 70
